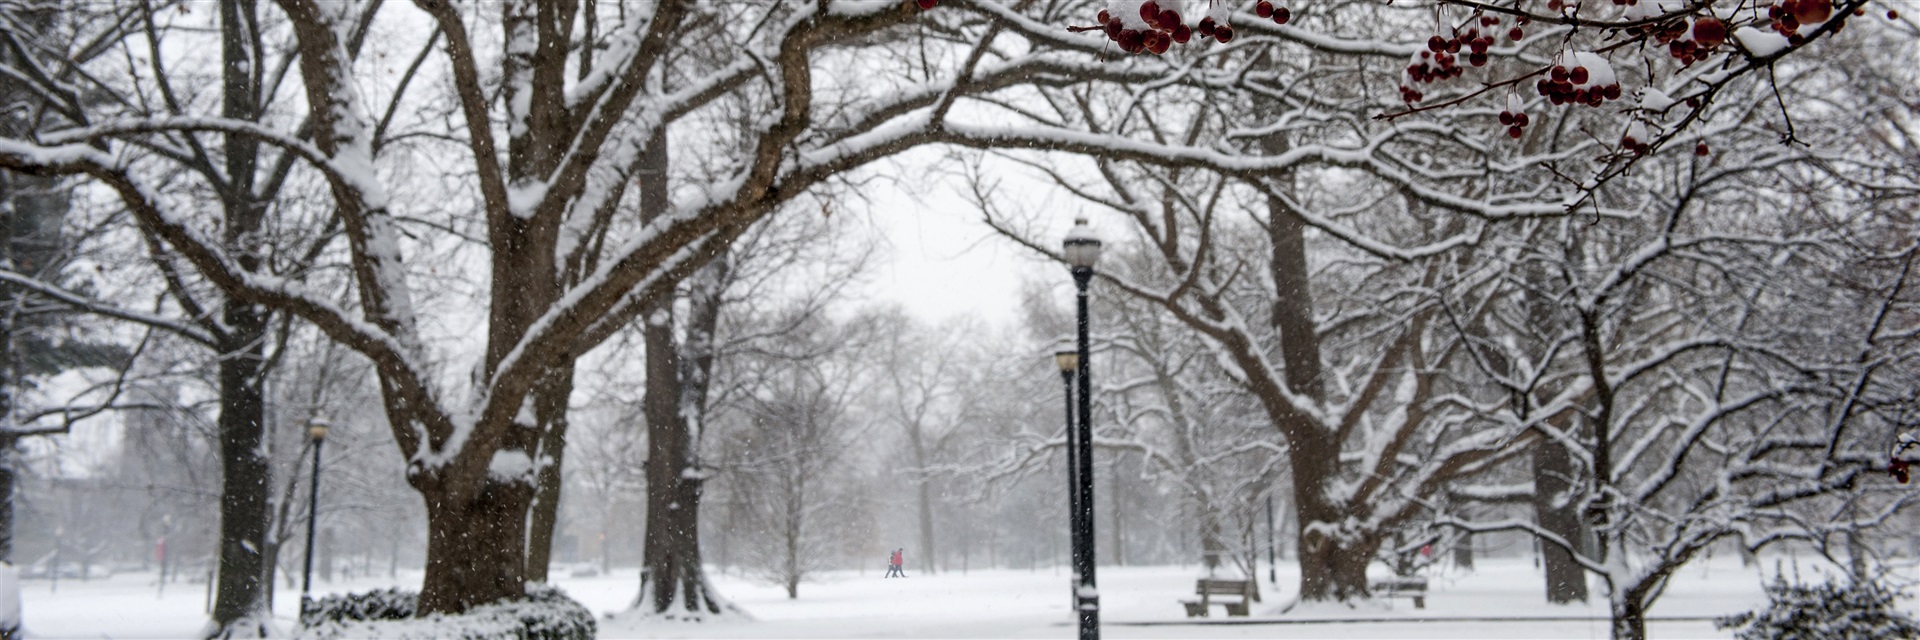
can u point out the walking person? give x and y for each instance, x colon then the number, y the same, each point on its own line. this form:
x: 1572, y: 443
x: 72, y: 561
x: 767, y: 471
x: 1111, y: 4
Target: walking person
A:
x: 900, y: 562
x: 893, y: 565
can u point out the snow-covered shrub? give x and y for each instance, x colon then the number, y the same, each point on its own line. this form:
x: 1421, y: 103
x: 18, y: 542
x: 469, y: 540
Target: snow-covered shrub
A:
x: 546, y: 614
x: 380, y: 604
x: 1829, y: 609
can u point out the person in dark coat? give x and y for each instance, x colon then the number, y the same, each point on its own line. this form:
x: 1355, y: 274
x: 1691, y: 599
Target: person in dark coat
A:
x: 894, y: 564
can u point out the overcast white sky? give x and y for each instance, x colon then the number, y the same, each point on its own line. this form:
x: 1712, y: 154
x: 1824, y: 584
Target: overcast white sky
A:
x: 939, y: 258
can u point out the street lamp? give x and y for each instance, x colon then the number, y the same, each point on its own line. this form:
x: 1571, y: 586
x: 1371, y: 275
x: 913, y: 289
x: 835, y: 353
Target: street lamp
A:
x: 1081, y: 248
x: 1067, y: 357
x: 316, y: 432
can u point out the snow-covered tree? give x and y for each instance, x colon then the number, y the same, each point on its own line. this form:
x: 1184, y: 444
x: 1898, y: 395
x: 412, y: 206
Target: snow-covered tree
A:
x: 556, y: 104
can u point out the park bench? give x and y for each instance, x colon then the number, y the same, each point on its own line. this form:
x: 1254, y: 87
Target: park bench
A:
x: 1207, y: 588
x: 1403, y: 587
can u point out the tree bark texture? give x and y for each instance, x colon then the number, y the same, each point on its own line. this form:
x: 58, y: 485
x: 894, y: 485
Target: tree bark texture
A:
x: 1333, y: 559
x: 1557, y: 509
x: 475, y: 544
x: 246, y: 572
x: 672, y: 582
x: 550, y: 409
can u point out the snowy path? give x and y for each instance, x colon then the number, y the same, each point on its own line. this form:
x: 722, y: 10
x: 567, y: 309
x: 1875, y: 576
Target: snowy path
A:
x: 1139, y: 602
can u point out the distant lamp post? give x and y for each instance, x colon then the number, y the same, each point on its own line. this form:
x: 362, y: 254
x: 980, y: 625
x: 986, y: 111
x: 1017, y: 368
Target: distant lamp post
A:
x: 1067, y: 357
x: 1081, y: 248
x: 316, y: 432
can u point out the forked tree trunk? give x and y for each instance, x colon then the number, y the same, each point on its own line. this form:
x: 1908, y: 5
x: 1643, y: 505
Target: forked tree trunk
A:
x: 672, y: 582
x: 671, y: 579
x: 476, y: 546
x: 550, y: 408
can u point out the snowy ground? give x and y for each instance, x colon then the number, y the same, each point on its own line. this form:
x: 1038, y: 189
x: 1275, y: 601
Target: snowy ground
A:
x: 1502, y: 599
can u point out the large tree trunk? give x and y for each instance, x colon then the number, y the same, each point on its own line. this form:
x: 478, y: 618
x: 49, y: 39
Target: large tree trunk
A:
x: 475, y: 545
x: 241, y: 607
x: 1333, y: 558
x: 1557, y: 511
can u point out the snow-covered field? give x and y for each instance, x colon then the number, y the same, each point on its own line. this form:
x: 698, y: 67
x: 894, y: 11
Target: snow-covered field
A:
x: 1501, y: 599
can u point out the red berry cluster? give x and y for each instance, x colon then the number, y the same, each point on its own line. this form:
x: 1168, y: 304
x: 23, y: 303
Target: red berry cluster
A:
x: 1636, y: 140
x: 1690, y: 40
x: 1157, y: 30
x: 1589, y: 81
x: 1899, y: 469
x: 1433, y: 65
x: 1515, y: 118
x: 1279, y: 14
x: 1210, y: 29
x: 1789, y: 15
x: 1476, y: 41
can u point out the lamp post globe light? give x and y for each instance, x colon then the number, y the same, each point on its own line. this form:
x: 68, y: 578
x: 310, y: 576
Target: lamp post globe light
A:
x: 316, y: 432
x: 1081, y: 248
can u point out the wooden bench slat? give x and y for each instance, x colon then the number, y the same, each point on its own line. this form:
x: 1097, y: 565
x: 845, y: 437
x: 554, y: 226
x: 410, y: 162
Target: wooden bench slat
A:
x: 1206, y: 588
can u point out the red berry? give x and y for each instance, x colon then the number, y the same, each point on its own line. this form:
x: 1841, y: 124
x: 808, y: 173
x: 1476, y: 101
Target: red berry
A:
x: 1150, y: 12
x: 927, y: 4
x: 1206, y: 27
x: 1578, y: 75
x: 1282, y: 15
x: 1104, y: 17
x: 1477, y: 58
x: 1812, y: 11
x: 1223, y: 33
x: 1709, y: 32
x: 1182, y: 33
x: 1264, y: 9
x: 1700, y: 149
x: 1516, y: 34
x: 1519, y: 119
x: 1893, y: 15
x: 1436, y: 44
x: 1506, y: 118
x: 1169, y: 18
x: 1513, y: 132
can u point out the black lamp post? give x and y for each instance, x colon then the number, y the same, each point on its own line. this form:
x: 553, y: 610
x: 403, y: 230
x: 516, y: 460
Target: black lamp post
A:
x: 1081, y: 248
x: 317, y: 432
x: 1068, y: 359
x: 1273, y: 566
